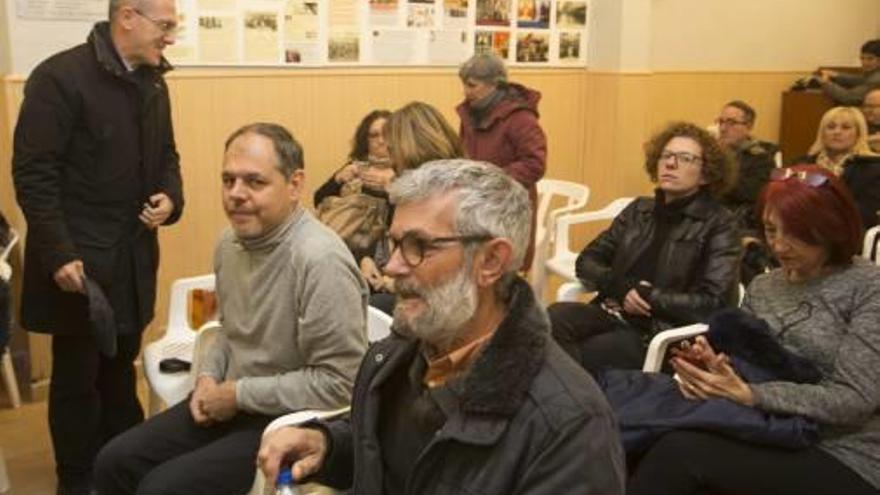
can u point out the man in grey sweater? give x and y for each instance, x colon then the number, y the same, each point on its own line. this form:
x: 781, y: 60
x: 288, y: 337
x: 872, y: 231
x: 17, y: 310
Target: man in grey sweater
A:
x: 293, y: 308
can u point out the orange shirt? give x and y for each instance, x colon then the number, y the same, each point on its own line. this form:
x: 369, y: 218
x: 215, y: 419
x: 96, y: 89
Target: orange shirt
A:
x: 448, y: 366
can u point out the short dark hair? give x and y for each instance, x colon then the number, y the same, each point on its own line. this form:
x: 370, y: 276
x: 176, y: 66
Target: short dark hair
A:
x: 745, y: 108
x: 872, y: 47
x: 288, y: 151
x: 820, y: 216
x: 719, y: 169
x: 360, y: 144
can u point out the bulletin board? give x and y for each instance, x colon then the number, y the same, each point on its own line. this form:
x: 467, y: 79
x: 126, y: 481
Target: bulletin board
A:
x: 317, y: 33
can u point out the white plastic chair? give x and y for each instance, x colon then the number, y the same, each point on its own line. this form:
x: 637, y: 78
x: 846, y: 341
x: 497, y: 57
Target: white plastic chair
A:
x: 378, y: 324
x: 662, y: 341
x: 576, y: 196
x: 562, y: 261
x: 871, y: 247
x: 178, y: 342
x: 6, y: 367
x: 293, y: 419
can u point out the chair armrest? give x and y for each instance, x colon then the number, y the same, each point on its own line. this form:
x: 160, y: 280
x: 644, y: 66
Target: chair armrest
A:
x: 300, y: 417
x: 661, y: 341
x: 569, y: 292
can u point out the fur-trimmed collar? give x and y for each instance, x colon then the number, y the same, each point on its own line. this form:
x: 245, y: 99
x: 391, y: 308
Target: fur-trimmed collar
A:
x: 499, y: 380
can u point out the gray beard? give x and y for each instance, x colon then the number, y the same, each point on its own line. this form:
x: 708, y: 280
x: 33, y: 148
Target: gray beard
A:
x: 449, y: 306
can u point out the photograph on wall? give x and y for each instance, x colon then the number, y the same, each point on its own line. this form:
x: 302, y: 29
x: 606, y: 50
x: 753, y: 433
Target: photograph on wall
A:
x: 343, y: 47
x: 343, y: 14
x: 394, y: 46
x: 532, y: 46
x: 455, y: 14
x: 218, y: 39
x: 302, y: 54
x: 227, y: 5
x: 420, y: 16
x: 570, y: 46
x: 497, y: 42
x: 571, y: 14
x: 533, y: 14
x: 493, y: 12
x: 383, y: 12
x: 447, y: 47
x: 301, y: 21
x: 261, y: 37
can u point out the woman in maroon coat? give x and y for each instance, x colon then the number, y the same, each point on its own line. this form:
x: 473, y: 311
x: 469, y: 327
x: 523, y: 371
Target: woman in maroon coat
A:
x: 499, y: 124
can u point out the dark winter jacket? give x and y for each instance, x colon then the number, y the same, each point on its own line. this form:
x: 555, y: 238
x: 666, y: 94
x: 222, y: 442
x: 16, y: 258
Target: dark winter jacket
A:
x: 697, y: 267
x: 650, y: 404
x: 755, y: 160
x: 92, y: 144
x: 861, y: 174
x: 529, y: 421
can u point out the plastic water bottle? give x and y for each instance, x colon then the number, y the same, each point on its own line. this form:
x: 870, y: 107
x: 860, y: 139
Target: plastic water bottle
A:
x: 284, y: 483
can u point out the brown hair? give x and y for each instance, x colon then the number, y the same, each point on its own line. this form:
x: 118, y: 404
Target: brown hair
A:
x: 718, y: 167
x: 418, y: 133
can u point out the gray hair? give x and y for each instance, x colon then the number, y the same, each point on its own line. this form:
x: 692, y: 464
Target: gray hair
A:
x: 485, y: 67
x: 489, y: 202
x: 115, y: 5
x: 288, y: 151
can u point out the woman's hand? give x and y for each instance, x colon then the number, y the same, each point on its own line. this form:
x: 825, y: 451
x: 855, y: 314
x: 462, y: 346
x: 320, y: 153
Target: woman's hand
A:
x: 346, y: 173
x: 703, y: 374
x: 377, y: 178
x: 372, y: 273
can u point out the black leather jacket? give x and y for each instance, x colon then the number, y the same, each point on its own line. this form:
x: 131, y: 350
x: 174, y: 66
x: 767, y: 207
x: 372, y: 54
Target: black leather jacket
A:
x: 529, y: 421
x: 697, y: 269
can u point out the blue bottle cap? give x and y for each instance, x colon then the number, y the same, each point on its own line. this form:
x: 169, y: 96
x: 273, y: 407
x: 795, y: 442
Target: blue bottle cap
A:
x: 285, y: 477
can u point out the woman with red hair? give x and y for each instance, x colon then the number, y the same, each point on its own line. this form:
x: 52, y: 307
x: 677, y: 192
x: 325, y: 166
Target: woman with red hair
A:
x: 822, y: 304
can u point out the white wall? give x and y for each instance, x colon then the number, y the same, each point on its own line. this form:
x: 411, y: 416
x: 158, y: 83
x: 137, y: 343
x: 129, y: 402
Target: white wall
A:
x: 5, y: 62
x: 760, y: 35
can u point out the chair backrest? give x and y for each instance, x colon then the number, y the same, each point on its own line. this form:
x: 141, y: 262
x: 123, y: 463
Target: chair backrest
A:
x: 378, y: 324
x: 564, y: 223
x: 207, y: 333
x: 575, y: 195
x: 178, y: 309
x: 871, y: 247
x: 5, y: 267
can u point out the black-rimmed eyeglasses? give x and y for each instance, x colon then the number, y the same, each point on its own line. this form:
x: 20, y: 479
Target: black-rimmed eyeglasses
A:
x: 812, y: 179
x: 167, y: 27
x: 413, y: 246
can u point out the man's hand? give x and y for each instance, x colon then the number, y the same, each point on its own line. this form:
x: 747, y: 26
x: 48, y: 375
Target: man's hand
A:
x: 874, y: 142
x: 305, y: 447
x: 157, y: 211
x: 218, y: 403
x: 70, y: 277
x: 204, y: 386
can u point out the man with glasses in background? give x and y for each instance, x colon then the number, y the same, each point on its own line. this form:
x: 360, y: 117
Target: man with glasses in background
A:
x: 871, y: 109
x: 470, y: 394
x: 754, y: 161
x: 96, y: 172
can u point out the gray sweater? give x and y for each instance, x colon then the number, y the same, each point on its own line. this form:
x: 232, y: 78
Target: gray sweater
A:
x: 835, y: 322
x: 293, y: 312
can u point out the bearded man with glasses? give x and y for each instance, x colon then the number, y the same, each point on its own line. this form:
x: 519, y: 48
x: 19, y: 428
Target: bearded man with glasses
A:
x: 469, y: 394
x: 96, y: 173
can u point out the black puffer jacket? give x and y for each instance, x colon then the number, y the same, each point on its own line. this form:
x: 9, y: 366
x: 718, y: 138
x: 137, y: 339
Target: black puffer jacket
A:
x: 529, y: 421
x: 697, y: 267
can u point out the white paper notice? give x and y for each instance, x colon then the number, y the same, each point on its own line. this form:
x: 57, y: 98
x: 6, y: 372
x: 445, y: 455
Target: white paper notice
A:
x: 85, y: 10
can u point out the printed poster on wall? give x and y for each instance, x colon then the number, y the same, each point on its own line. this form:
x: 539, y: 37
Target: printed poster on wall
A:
x: 80, y: 10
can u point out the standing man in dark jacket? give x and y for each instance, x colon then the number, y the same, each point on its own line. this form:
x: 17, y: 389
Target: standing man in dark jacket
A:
x: 469, y: 394
x: 499, y: 125
x: 96, y: 173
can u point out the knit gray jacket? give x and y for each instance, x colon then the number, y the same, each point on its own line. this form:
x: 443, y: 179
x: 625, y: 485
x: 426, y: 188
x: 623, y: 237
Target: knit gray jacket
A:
x: 835, y: 322
x: 293, y: 312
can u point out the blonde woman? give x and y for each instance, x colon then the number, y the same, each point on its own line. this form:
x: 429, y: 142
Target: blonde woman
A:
x: 842, y: 147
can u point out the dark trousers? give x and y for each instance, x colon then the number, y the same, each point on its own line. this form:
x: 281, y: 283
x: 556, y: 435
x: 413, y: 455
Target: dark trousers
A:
x: 92, y: 398
x: 689, y: 462
x: 171, y: 454
x: 596, y: 339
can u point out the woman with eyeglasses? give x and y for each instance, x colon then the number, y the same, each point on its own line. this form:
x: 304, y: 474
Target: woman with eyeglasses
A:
x: 666, y: 261
x: 822, y: 304
x: 842, y: 147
